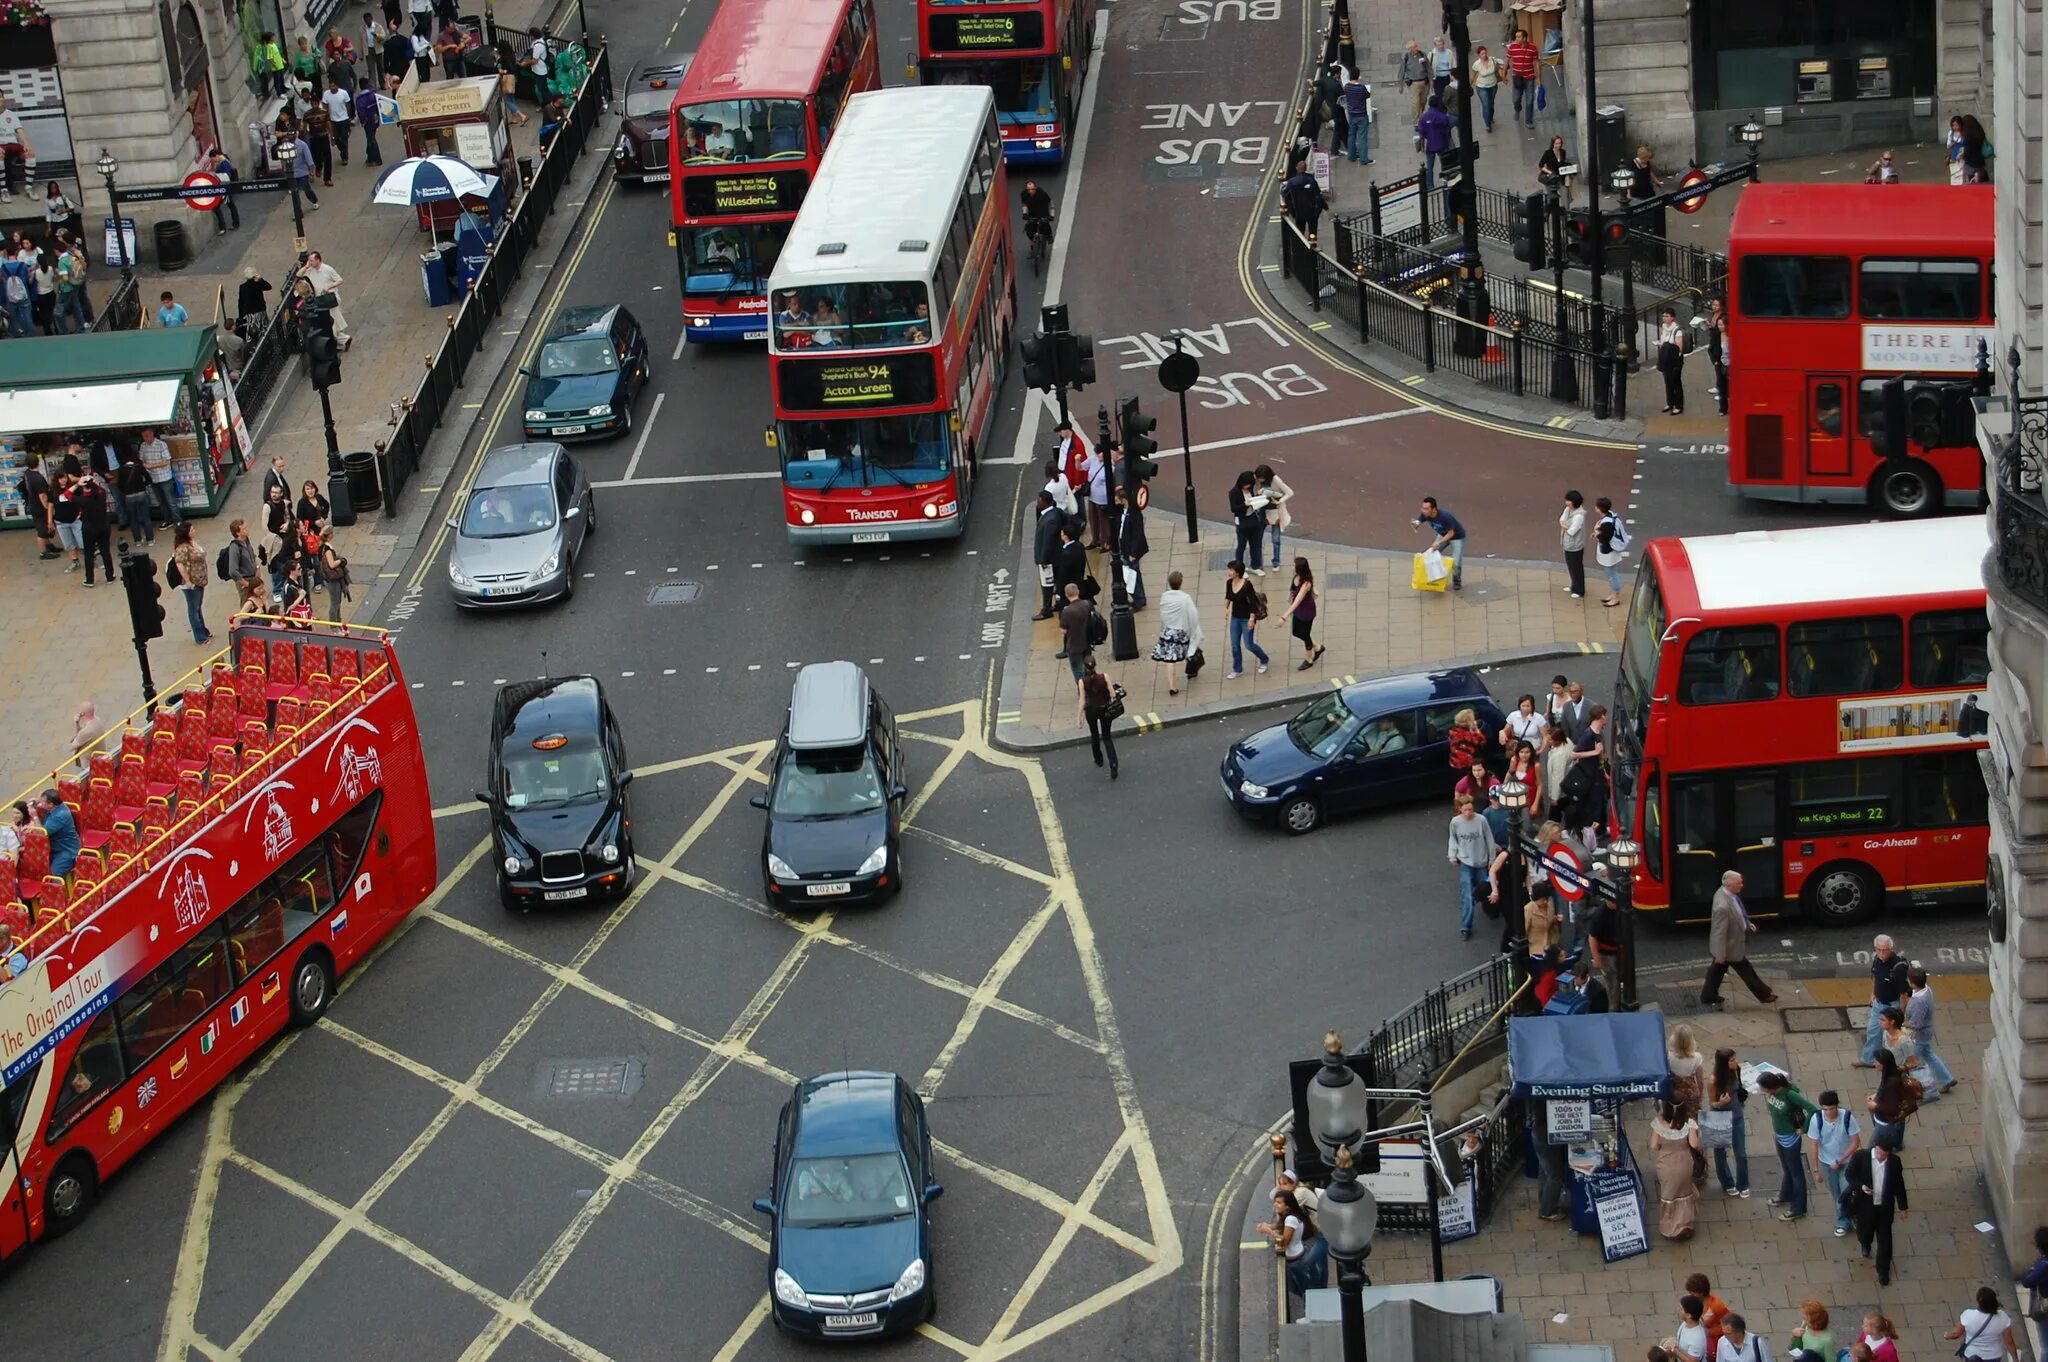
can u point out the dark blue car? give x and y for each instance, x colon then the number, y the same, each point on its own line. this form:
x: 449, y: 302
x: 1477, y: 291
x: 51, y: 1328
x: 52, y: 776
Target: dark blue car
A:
x: 850, y: 1255
x: 1372, y: 743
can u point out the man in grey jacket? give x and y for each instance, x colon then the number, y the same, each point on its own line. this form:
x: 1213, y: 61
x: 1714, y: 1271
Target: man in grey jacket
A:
x: 1415, y: 80
x: 1728, y: 942
x: 1476, y: 857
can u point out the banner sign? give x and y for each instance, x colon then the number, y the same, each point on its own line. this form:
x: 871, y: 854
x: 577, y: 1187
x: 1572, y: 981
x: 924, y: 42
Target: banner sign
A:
x: 1568, y: 1122
x: 1618, y: 1205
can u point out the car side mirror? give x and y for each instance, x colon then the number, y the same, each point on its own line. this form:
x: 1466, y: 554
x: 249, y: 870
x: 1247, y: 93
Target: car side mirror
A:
x: 453, y: 523
x: 933, y: 1192
x: 483, y: 798
x: 759, y: 801
x: 625, y: 779
x: 525, y: 371
x: 572, y: 513
x: 899, y: 791
x: 764, y: 1205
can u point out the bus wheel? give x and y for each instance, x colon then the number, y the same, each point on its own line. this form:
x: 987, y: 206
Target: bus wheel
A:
x: 1843, y: 894
x: 1906, y: 488
x: 73, y: 1189
x: 312, y: 987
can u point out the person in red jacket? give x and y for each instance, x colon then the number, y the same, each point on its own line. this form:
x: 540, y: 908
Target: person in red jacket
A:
x: 1522, y: 73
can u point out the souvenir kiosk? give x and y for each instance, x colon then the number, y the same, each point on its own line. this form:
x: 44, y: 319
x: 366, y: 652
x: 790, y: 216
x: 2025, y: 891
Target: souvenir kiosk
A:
x: 108, y: 385
x: 1578, y: 1072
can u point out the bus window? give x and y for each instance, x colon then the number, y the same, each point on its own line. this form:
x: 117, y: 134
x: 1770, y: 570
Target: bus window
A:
x: 1794, y: 286
x: 95, y: 1071
x: 1827, y: 408
x: 1921, y: 290
x: 1844, y: 657
x: 1946, y: 790
x: 1729, y: 666
x: 1951, y: 648
x: 1834, y: 796
x: 173, y: 996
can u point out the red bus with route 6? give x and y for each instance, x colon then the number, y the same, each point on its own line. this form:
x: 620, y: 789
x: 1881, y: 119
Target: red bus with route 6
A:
x: 1034, y: 55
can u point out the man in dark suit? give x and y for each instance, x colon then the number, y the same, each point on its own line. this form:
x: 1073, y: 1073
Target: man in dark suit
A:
x: 1876, y: 1180
x: 1045, y: 549
x: 1070, y: 564
x: 274, y: 476
x: 1576, y: 713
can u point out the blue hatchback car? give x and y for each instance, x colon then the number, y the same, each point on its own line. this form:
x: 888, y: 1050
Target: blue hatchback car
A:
x: 1376, y: 742
x: 850, y: 1255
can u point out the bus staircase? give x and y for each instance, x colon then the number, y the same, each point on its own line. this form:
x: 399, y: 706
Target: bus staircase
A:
x: 169, y: 768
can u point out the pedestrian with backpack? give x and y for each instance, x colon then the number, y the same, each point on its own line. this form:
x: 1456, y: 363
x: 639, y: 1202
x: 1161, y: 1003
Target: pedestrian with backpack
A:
x: 334, y: 572
x: 1247, y: 608
x: 1610, y: 546
x: 236, y: 563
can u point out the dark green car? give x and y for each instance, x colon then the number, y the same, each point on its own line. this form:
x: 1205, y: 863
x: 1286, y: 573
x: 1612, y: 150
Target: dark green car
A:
x: 582, y: 384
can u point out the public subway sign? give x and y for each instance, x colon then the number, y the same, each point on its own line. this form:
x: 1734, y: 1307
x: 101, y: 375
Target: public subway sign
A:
x: 1000, y: 31
x: 1923, y: 349
x: 711, y: 196
x: 843, y: 382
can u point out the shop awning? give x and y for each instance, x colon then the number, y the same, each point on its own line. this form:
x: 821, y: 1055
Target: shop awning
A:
x: 1590, y: 1055
x: 100, y: 379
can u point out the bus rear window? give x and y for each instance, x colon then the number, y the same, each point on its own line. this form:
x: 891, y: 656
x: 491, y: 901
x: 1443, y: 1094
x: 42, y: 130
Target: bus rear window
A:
x: 1729, y: 666
x: 1921, y: 290
x: 1794, y: 286
x: 1951, y: 648
x: 1845, y: 657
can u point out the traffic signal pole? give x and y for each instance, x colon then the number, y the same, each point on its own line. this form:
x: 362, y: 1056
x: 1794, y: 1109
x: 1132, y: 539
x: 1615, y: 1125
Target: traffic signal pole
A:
x: 145, y: 615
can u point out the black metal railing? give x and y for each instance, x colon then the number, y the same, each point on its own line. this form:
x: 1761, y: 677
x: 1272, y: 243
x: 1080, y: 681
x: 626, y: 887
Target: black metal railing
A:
x: 269, y: 352
x: 420, y: 413
x: 122, y: 310
x: 2021, y: 526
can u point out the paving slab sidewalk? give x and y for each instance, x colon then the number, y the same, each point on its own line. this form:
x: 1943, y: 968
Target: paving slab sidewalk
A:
x: 395, y: 334
x: 1369, y: 618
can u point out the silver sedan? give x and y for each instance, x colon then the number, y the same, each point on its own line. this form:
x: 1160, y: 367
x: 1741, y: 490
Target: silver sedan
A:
x: 521, y: 528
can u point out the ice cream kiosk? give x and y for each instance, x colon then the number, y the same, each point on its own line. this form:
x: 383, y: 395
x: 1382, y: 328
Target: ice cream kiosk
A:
x: 464, y: 119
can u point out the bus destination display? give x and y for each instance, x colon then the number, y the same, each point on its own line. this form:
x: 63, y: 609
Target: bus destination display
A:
x: 998, y: 32
x: 1842, y: 815
x: 768, y: 191
x: 842, y: 383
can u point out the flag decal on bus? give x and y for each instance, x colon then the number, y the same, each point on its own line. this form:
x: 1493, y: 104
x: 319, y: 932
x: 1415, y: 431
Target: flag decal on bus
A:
x: 209, y: 1036
x: 271, y: 984
x: 238, y: 1011
x: 180, y: 1064
x: 340, y: 923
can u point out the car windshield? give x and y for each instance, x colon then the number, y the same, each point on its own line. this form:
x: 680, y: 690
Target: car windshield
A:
x: 537, y: 779
x: 827, y: 784
x: 649, y: 103
x: 507, y: 512
x: 731, y: 257
x: 853, y: 316
x: 1023, y: 87
x: 1322, y: 728
x: 568, y: 358
x: 742, y: 130
x: 878, y: 451
x: 847, y: 1191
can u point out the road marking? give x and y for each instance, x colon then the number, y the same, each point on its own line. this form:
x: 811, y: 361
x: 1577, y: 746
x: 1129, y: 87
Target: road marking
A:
x: 685, y: 479
x: 1342, y: 423
x: 679, y: 344
x: 490, y: 429
x: 640, y: 445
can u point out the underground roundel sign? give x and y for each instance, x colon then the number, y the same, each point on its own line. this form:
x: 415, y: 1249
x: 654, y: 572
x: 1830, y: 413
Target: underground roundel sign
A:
x: 201, y: 201
x: 1695, y: 202
x: 1567, y: 876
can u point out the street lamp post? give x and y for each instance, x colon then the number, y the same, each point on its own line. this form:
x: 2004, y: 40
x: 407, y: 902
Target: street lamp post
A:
x: 108, y: 167
x: 1348, y: 1216
x: 288, y: 151
x: 1337, y: 1106
x: 1623, y: 178
x: 1622, y: 855
x: 1603, y: 360
x: 1514, y: 797
x: 1752, y: 135
x: 1473, y: 307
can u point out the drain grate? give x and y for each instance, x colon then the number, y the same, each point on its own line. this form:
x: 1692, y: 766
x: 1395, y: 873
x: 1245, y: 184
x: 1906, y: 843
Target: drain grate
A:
x: 576, y: 1079
x: 1812, y: 1019
x: 1351, y: 580
x: 1234, y: 187
x: 675, y: 593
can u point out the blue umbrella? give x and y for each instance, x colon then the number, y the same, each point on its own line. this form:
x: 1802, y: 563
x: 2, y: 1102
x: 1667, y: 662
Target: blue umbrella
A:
x: 430, y: 179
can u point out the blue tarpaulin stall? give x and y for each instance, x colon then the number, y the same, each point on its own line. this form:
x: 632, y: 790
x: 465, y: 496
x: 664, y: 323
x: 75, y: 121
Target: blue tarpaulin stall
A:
x: 1593, y: 1062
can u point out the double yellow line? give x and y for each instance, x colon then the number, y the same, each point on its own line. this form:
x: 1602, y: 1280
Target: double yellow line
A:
x: 512, y: 387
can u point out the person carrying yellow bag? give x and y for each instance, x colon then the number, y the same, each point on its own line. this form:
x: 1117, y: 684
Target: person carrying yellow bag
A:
x: 1431, y: 573
x: 1448, y: 543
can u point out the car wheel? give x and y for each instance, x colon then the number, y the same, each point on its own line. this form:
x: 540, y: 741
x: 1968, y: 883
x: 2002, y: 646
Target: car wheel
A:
x: 312, y: 987
x: 1301, y: 813
x: 70, y: 1194
x: 627, y: 428
x: 590, y: 508
x: 1843, y: 894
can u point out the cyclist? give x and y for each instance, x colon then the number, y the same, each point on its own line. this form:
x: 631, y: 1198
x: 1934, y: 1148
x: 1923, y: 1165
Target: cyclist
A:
x: 1038, y: 212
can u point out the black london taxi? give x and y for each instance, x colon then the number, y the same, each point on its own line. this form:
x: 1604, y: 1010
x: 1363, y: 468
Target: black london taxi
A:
x: 561, y: 829
x: 590, y: 368
x: 641, y: 154
x: 835, y: 799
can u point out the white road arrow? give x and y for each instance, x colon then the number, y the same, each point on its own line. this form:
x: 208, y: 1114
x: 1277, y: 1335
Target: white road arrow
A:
x: 1002, y: 575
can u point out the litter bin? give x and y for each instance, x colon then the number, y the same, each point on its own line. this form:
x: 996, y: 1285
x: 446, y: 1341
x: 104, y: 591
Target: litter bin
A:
x: 361, y: 467
x: 434, y: 277
x: 1611, y: 146
x: 451, y: 269
x: 171, y: 253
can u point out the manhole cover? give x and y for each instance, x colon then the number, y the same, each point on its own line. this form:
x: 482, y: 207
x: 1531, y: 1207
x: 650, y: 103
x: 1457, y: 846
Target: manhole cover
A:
x: 1810, y: 1019
x: 1481, y: 592
x: 674, y: 593
x: 616, y: 1079
x: 1234, y: 187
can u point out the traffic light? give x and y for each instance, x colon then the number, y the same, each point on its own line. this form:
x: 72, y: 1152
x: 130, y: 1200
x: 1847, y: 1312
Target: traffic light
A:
x: 1139, y: 445
x: 1578, y: 238
x: 1037, y: 355
x: 145, y: 595
x: 1530, y: 231
x: 1080, y: 357
x: 1891, y: 441
x: 316, y: 332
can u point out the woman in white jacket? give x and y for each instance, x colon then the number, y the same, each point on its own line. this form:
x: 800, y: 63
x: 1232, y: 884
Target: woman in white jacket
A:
x: 1277, y: 494
x: 1180, y: 631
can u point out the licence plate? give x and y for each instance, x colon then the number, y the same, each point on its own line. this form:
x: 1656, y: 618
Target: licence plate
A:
x: 570, y: 430
x: 562, y: 895
x: 873, y: 537
x: 753, y: 335
x: 502, y: 590
x: 656, y: 177
x: 825, y: 891
x: 862, y: 1321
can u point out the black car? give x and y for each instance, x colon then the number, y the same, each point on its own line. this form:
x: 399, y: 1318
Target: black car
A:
x: 590, y: 368
x: 641, y: 154
x: 851, y: 1255
x: 835, y: 800
x: 560, y: 823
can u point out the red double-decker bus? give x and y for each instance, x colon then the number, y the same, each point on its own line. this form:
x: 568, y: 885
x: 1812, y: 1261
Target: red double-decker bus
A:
x: 1034, y: 56
x: 764, y: 93
x: 1806, y: 707
x: 1838, y: 288
x: 893, y: 303
x: 236, y: 853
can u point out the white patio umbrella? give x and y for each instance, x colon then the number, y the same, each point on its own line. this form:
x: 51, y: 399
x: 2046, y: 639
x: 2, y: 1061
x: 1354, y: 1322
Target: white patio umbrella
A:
x: 431, y: 179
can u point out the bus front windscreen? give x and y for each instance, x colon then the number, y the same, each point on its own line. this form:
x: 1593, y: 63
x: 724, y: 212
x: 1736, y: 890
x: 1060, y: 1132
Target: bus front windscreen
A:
x: 853, y: 316
x: 1023, y: 86
x: 731, y: 257
x: 879, y: 451
x: 742, y: 130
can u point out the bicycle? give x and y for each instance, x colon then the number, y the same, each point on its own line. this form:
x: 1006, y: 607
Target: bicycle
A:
x: 1039, y: 233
